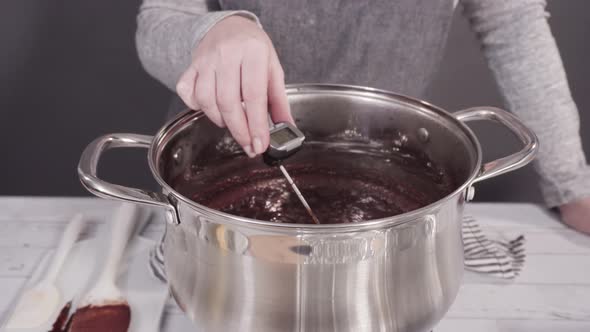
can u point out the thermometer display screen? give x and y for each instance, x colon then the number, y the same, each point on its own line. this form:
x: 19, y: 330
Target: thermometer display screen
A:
x: 283, y: 136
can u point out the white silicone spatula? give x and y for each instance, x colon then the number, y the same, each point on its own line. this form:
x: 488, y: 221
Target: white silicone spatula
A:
x: 40, y: 302
x: 104, y: 308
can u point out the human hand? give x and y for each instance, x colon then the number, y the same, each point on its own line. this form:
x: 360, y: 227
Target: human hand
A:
x: 577, y: 215
x: 236, y: 62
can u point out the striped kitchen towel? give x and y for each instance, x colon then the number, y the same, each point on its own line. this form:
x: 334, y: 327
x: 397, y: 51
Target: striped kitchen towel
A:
x: 503, y: 259
x: 157, y: 260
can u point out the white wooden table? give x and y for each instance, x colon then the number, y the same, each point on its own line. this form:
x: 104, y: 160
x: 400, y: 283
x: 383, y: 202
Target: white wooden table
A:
x: 552, y: 294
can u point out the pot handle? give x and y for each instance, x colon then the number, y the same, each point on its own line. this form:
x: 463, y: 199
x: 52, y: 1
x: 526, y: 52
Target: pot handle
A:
x: 90, y: 180
x: 524, y: 134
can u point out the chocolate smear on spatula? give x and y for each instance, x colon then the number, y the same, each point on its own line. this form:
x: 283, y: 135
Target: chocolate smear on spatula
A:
x: 106, y: 318
x: 62, y: 318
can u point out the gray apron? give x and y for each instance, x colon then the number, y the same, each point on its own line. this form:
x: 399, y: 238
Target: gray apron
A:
x: 394, y: 45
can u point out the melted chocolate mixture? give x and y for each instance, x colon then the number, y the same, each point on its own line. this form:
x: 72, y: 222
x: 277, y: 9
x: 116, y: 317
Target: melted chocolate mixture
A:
x: 341, y: 185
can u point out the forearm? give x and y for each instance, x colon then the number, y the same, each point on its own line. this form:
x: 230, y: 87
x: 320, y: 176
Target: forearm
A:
x: 169, y: 30
x: 523, y: 56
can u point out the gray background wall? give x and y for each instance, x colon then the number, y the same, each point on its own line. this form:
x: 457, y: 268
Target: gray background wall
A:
x: 69, y: 73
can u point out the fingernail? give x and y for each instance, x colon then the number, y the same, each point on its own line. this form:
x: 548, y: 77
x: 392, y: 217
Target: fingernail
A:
x: 257, y: 145
x: 248, y: 150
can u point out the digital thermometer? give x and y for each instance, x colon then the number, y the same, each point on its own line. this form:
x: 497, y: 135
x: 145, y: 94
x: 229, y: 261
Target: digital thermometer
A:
x: 285, y: 140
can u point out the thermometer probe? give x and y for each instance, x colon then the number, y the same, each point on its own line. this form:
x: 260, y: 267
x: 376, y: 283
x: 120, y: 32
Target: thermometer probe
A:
x: 285, y: 140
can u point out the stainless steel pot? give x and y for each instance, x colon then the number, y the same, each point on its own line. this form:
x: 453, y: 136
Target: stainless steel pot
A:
x: 395, y: 274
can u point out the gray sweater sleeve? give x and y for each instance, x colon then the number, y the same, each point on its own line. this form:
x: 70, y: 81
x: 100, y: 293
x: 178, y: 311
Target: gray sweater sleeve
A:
x: 169, y: 30
x: 523, y: 56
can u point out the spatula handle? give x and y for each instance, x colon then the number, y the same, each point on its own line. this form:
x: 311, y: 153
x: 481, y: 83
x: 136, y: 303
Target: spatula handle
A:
x: 122, y: 226
x: 68, y: 239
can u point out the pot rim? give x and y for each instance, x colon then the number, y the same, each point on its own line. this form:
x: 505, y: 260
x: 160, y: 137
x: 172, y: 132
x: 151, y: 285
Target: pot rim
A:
x: 373, y: 93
